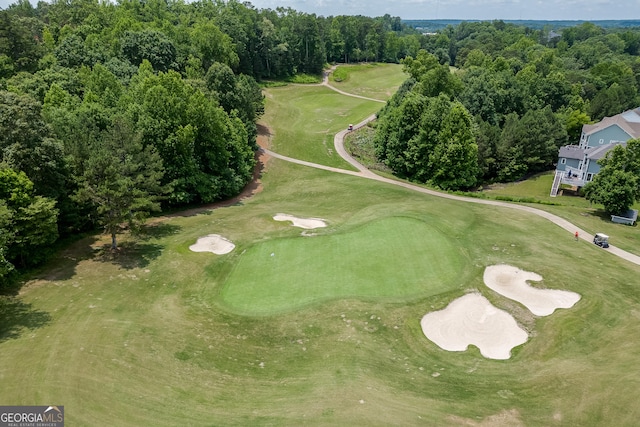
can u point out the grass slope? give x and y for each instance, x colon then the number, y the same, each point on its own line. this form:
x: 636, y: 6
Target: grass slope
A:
x: 148, y: 337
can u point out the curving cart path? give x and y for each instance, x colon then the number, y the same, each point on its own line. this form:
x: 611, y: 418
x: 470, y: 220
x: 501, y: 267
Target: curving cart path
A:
x: 363, y: 172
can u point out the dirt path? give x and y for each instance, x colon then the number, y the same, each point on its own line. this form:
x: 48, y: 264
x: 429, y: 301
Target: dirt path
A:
x: 366, y: 173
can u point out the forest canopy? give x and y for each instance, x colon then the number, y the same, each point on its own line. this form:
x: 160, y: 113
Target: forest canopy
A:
x: 112, y: 111
x: 528, y: 92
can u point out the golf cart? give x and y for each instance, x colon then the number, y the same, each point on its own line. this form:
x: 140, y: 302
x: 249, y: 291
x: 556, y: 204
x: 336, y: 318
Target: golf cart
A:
x: 350, y: 127
x: 601, y: 240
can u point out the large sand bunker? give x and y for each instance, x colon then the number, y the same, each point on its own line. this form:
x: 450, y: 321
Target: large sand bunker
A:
x: 213, y: 243
x: 471, y: 319
x: 308, y: 223
x: 511, y: 282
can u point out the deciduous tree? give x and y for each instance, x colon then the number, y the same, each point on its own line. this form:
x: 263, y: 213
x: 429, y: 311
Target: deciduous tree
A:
x: 26, y: 145
x: 617, y: 185
x: 529, y: 144
x: 429, y: 140
x: 151, y: 45
x: 28, y: 223
x: 432, y: 77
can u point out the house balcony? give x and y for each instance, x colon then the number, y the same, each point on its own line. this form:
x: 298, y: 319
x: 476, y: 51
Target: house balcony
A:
x: 574, y: 182
x: 573, y: 177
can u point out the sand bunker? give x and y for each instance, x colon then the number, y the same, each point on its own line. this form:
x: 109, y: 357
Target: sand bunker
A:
x: 308, y: 223
x: 213, y: 243
x: 472, y: 320
x: 511, y: 282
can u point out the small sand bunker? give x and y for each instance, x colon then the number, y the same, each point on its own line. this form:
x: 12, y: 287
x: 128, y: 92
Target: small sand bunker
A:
x: 213, y: 243
x: 308, y: 223
x: 472, y: 320
x: 511, y: 282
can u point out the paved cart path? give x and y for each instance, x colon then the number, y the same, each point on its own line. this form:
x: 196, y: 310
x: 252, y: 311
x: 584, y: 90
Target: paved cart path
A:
x: 363, y: 172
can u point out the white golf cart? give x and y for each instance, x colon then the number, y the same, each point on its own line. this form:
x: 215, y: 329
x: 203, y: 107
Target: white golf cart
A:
x: 601, y: 240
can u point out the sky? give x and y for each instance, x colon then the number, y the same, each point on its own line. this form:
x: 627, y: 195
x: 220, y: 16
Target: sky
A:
x: 583, y: 10
x: 587, y: 10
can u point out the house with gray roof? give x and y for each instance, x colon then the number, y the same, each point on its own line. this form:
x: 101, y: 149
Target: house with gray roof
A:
x: 578, y: 164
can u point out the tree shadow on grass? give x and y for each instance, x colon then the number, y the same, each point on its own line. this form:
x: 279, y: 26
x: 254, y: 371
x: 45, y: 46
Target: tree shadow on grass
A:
x: 603, y: 216
x: 157, y: 230
x: 16, y: 316
x: 129, y: 255
x: 60, y: 266
x: 137, y: 252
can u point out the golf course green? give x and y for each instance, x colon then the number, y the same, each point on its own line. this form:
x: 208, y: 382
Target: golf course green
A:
x: 302, y: 270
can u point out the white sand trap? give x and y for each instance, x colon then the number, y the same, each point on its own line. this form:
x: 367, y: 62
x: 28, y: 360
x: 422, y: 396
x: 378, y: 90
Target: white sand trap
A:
x: 308, y: 223
x: 511, y: 282
x: 471, y: 319
x: 213, y: 243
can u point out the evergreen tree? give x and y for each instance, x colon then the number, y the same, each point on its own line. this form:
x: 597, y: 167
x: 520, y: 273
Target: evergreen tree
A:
x: 121, y: 179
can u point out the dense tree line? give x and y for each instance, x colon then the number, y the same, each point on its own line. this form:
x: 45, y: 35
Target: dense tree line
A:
x: 190, y: 37
x: 109, y: 112
x: 528, y: 92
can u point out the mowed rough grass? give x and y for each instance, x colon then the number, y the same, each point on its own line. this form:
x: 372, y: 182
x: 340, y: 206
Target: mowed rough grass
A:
x: 395, y: 258
x: 578, y: 210
x: 149, y: 333
x: 146, y: 337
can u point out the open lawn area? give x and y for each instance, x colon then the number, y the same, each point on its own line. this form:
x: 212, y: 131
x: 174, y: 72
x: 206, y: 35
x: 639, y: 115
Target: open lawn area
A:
x: 321, y: 329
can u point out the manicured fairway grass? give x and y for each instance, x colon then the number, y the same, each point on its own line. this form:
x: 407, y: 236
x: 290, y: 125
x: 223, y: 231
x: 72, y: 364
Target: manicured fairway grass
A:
x: 373, y: 80
x: 150, y: 337
x: 394, y: 258
x: 305, y: 119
